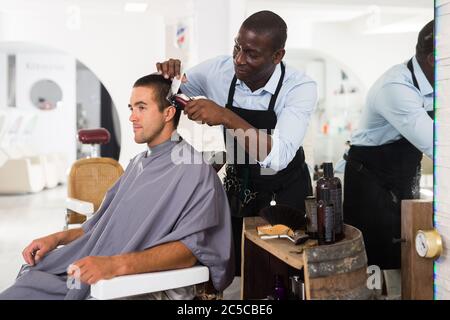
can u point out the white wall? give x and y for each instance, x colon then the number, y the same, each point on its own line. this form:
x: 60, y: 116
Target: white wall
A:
x: 88, y: 95
x: 212, y: 28
x: 55, y: 129
x: 367, y: 56
x: 118, y: 48
x: 442, y: 149
x: 3, y: 79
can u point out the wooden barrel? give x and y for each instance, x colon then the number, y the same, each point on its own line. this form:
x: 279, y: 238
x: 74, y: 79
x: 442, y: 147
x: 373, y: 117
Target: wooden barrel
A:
x: 339, y: 270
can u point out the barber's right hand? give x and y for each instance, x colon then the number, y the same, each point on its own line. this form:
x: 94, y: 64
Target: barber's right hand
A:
x: 38, y: 248
x: 170, y: 68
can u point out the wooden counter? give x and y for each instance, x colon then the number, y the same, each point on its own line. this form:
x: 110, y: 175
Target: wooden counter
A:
x: 336, y: 271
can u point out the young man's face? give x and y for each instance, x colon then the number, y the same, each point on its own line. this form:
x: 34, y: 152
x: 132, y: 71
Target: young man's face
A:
x: 148, y: 121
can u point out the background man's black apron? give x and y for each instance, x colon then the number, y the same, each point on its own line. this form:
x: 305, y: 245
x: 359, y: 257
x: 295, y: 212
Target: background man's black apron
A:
x: 248, y: 191
x: 376, y: 180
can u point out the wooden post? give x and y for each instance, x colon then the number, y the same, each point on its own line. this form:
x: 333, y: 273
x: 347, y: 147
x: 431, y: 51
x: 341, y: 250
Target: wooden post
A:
x: 417, y: 272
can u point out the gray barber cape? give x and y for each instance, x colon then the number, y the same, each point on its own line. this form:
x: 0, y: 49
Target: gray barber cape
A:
x: 157, y: 200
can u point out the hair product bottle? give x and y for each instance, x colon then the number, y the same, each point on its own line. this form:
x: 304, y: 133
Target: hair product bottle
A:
x: 335, y: 186
x: 311, y: 216
x: 325, y: 217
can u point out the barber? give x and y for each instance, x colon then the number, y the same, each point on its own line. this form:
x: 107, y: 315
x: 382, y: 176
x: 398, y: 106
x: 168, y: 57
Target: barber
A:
x: 254, y: 94
x: 384, y: 159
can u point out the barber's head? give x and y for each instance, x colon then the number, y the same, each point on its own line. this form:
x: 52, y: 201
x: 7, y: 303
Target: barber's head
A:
x: 153, y: 117
x: 259, y: 46
x: 425, y: 50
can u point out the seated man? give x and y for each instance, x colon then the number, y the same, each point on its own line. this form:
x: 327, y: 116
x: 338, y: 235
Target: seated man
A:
x: 161, y: 214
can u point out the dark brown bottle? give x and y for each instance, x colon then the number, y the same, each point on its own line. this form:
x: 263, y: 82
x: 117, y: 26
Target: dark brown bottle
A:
x: 325, y: 217
x: 311, y: 217
x: 336, y: 199
x: 335, y: 186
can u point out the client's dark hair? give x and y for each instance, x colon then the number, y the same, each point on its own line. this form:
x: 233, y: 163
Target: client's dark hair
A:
x: 161, y: 87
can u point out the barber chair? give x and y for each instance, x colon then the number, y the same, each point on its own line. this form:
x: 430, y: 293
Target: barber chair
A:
x: 137, y: 284
x: 88, y: 182
x: 90, y: 178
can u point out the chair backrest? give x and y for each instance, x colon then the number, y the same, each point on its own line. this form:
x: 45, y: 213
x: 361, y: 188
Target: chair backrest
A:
x: 89, y: 179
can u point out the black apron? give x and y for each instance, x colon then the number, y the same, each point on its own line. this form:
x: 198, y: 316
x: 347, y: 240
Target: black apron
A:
x: 376, y: 179
x: 248, y: 190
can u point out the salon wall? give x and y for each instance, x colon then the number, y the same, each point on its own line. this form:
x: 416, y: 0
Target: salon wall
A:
x: 3, y: 79
x: 53, y: 132
x: 366, y: 55
x: 117, y: 47
x: 442, y: 147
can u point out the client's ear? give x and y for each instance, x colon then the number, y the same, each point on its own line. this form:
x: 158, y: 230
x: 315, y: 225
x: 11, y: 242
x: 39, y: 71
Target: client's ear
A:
x: 169, y: 113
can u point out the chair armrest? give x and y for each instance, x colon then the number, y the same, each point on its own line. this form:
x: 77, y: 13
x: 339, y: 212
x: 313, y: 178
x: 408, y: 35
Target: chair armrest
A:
x: 79, y: 206
x: 131, y: 285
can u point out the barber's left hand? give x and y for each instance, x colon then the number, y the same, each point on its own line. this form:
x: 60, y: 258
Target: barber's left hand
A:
x: 92, y: 269
x: 206, y: 111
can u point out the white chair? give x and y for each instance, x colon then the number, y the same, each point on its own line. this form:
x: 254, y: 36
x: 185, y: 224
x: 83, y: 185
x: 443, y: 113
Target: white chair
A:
x: 18, y: 174
x: 132, y: 285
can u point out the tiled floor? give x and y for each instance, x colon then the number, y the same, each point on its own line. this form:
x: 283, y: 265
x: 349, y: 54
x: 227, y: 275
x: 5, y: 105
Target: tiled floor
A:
x: 22, y: 219
x: 27, y: 217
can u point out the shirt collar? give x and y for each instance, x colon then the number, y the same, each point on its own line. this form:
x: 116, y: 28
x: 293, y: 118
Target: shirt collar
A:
x: 424, y: 86
x: 271, y: 85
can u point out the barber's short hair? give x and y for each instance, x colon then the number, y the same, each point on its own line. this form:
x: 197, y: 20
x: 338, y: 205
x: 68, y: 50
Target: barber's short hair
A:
x: 425, y: 41
x: 268, y: 22
x: 160, y: 87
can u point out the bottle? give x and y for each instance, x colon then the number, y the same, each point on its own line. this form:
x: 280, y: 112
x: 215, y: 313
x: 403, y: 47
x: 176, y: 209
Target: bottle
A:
x: 325, y: 217
x: 335, y: 186
x: 316, y: 173
x: 325, y: 180
x: 297, y: 288
x: 279, y: 289
x: 311, y: 216
x: 336, y: 199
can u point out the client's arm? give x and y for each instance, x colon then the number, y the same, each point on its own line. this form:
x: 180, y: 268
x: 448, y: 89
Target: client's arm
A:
x: 168, y: 256
x: 38, y: 248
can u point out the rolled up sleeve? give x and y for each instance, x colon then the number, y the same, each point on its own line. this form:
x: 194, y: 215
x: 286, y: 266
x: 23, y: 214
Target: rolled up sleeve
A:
x: 403, y: 108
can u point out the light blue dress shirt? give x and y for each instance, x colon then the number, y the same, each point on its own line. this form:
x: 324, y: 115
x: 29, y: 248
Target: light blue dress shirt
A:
x: 395, y: 108
x: 294, y: 106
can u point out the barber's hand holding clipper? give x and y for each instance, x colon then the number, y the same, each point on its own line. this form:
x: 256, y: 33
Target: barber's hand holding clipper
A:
x: 201, y: 110
x: 205, y: 111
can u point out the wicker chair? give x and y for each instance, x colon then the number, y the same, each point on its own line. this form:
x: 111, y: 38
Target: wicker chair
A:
x: 90, y: 178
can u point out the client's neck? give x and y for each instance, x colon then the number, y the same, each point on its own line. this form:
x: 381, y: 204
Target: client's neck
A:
x: 165, y: 135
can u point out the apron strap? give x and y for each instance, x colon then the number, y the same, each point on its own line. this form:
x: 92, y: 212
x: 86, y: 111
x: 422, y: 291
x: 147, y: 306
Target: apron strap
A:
x: 410, y: 66
x: 274, y: 96
x: 231, y: 92
x: 277, y: 91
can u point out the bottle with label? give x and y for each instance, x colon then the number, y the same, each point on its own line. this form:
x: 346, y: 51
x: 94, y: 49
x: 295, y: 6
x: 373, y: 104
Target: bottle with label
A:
x: 325, y: 217
x: 335, y: 186
x: 311, y: 216
x: 297, y: 288
x: 336, y: 199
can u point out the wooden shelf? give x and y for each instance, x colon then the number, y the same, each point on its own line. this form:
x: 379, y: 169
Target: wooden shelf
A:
x: 336, y: 271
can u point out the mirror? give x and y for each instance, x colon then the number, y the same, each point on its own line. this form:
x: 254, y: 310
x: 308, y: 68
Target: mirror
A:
x: 45, y: 94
